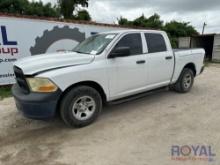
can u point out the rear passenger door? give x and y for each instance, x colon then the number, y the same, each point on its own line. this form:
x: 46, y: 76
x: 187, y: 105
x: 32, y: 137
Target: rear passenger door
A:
x: 160, y: 60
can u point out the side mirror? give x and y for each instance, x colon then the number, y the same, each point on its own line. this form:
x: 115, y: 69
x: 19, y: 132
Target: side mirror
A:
x: 120, y: 52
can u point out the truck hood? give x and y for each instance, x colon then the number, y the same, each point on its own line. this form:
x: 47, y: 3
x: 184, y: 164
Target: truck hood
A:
x: 39, y: 63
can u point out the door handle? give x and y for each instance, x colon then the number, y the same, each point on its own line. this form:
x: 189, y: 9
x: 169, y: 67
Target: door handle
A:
x: 168, y: 57
x: 140, y: 62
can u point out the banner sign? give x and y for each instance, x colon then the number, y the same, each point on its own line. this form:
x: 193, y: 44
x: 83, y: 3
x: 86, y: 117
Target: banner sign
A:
x: 22, y: 37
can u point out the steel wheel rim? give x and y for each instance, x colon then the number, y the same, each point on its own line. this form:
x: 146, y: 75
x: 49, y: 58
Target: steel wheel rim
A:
x: 187, y: 81
x: 83, y: 108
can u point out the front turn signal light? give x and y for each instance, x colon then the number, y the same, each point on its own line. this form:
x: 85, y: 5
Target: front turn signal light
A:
x: 43, y: 85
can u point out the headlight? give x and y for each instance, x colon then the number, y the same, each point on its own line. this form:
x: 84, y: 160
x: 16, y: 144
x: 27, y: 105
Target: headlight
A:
x: 41, y: 85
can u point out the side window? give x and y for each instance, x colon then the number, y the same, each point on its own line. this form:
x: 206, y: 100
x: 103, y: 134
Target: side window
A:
x: 155, y: 43
x: 133, y: 41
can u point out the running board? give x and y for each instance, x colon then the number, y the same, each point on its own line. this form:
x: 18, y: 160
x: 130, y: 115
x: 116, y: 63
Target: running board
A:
x: 135, y: 97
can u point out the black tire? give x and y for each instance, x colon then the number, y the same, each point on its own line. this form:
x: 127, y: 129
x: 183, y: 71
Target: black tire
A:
x: 69, y: 100
x: 179, y: 86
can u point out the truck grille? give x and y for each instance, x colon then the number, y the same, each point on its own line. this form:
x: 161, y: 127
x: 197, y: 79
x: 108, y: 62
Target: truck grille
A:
x: 20, y: 78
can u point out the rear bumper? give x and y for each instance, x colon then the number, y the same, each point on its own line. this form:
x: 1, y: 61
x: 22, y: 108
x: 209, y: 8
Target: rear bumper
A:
x: 36, y: 105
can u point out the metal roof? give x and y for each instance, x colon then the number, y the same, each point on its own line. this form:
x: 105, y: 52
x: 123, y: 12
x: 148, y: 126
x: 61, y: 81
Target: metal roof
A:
x: 204, y: 35
x: 70, y: 21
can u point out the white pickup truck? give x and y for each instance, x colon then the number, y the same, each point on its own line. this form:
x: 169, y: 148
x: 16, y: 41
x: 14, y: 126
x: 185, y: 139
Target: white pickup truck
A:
x: 104, y: 68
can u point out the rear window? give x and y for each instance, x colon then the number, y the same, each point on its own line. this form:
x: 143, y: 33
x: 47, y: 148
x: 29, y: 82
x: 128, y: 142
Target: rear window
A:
x: 155, y: 43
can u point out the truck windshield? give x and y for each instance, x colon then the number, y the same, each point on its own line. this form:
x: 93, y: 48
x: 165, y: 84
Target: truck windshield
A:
x: 95, y: 44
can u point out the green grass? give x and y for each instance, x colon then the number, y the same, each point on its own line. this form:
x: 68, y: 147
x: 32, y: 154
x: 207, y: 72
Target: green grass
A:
x: 5, y: 92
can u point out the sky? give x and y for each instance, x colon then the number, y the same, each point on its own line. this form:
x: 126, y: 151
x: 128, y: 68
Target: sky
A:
x: 194, y: 11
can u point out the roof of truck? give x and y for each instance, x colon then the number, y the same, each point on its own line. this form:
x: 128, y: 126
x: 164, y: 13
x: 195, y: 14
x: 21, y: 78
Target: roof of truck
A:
x: 134, y: 30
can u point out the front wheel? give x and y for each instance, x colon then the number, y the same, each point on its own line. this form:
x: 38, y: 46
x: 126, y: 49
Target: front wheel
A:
x: 80, y: 106
x: 185, y: 81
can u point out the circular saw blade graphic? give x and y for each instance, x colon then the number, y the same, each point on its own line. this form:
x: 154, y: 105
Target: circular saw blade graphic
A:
x: 56, y: 34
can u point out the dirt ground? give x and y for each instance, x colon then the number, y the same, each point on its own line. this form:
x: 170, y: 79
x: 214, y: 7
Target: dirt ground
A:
x: 140, y: 132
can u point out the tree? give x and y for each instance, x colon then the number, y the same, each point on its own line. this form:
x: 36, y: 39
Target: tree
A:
x: 180, y: 29
x: 124, y: 21
x: 68, y: 6
x: 51, y: 11
x: 176, y: 29
x: 28, y: 8
x: 155, y: 22
x: 151, y: 22
x: 140, y: 21
x: 13, y: 6
x: 39, y: 9
x: 83, y: 15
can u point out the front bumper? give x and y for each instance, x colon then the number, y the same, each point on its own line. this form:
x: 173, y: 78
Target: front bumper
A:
x: 36, y: 105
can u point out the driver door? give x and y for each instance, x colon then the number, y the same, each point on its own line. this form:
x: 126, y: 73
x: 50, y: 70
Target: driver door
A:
x: 127, y: 74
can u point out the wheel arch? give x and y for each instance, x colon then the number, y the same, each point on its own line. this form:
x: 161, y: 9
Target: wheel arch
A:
x: 192, y: 67
x: 92, y: 84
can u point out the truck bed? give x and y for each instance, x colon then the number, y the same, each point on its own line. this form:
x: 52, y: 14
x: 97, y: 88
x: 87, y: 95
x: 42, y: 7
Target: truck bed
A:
x: 186, y: 49
x: 187, y: 56
x: 185, y: 52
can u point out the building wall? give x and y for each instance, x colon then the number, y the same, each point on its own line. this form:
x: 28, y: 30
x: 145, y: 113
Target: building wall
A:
x: 23, y: 37
x: 184, y: 42
x: 209, y: 42
x: 216, y: 48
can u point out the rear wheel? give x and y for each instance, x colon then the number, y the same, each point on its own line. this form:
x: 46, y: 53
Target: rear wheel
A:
x: 185, y: 81
x: 80, y: 106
